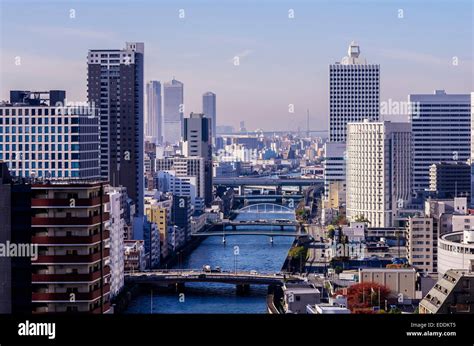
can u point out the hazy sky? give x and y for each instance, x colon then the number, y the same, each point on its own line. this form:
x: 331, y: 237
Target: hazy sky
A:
x: 282, y: 61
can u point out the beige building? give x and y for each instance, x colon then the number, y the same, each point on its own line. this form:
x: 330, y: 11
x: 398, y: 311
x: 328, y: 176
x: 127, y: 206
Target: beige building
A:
x: 400, y: 281
x: 421, y: 243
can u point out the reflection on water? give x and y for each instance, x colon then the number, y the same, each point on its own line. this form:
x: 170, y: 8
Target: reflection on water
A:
x: 255, y: 253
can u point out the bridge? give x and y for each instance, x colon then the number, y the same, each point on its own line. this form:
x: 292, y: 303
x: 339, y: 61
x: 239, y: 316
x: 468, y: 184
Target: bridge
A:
x: 240, y: 278
x: 265, y: 208
x: 272, y: 227
x: 242, y: 182
x: 256, y: 181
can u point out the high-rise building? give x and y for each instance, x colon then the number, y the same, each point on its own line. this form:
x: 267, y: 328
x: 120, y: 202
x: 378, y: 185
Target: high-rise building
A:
x: 441, y: 131
x: 353, y: 93
x: 173, y: 110
x: 5, y: 235
x: 197, y: 136
x: 42, y: 137
x: 209, y: 110
x: 70, y: 224
x: 471, y: 161
x: 378, y: 171
x: 117, y: 226
x: 115, y: 85
x: 450, y: 179
x: 197, y: 142
x: 154, y: 120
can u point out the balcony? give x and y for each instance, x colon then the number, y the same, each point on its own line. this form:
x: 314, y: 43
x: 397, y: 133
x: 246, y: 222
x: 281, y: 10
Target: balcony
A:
x: 51, y: 240
x: 68, y: 221
x: 66, y: 259
x: 86, y: 296
x: 98, y: 310
x: 44, y: 278
x: 66, y: 203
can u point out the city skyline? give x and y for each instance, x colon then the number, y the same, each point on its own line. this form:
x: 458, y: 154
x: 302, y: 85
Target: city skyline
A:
x: 290, y: 49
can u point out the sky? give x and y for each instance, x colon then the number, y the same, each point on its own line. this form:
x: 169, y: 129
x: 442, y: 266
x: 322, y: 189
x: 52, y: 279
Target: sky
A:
x: 421, y: 45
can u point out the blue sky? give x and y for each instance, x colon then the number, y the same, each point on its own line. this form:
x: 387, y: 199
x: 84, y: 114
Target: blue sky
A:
x: 282, y: 61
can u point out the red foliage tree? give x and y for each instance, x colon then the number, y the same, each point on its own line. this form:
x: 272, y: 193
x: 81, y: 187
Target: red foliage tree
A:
x: 362, y: 297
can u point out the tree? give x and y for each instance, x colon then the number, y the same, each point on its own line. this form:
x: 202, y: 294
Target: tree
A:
x: 363, y: 296
x: 298, y: 252
x: 361, y: 218
x: 331, y: 232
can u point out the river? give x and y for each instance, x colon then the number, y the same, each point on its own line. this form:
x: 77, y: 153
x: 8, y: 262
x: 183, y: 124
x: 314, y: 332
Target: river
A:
x: 254, y: 253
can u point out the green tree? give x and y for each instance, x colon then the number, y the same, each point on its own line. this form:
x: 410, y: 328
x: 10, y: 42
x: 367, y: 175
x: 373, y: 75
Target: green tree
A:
x: 361, y: 218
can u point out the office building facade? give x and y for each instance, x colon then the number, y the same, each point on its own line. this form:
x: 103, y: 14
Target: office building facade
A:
x: 154, y: 119
x: 173, y: 111
x: 40, y: 140
x: 354, y: 87
x: 441, y: 131
x: 209, y: 110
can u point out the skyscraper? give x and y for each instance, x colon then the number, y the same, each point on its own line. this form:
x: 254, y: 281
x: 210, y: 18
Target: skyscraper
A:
x: 173, y: 110
x: 209, y: 110
x: 197, y: 136
x: 377, y: 171
x: 353, y: 93
x: 154, y: 120
x: 115, y: 85
x: 441, y: 131
x: 197, y: 142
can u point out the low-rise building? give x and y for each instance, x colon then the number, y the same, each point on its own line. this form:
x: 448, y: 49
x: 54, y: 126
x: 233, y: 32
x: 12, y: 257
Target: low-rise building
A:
x: 298, y: 295
x: 400, y: 281
x: 134, y: 255
x: 452, y: 294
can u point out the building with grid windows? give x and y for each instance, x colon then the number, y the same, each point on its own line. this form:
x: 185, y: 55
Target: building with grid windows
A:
x: 40, y: 137
x: 115, y: 84
x: 353, y: 92
x: 441, y: 131
x: 378, y: 171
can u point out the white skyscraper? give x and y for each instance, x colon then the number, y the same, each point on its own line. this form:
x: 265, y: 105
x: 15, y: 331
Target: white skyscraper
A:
x: 378, y: 170
x: 353, y: 96
x: 173, y: 108
x: 353, y: 93
x: 209, y: 110
x: 441, y: 131
x: 153, y: 121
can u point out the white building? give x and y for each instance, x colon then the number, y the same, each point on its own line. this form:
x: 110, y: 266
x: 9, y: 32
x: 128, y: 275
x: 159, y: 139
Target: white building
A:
x: 49, y: 141
x: 153, y: 120
x: 353, y: 93
x: 441, y: 131
x: 378, y: 171
x: 455, y: 251
x: 117, y: 225
x: 173, y: 110
x: 168, y: 181
x: 186, y: 167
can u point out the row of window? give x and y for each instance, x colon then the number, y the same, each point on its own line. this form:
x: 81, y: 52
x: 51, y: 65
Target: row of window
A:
x: 41, y: 165
x: 52, y: 174
x: 38, y: 138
